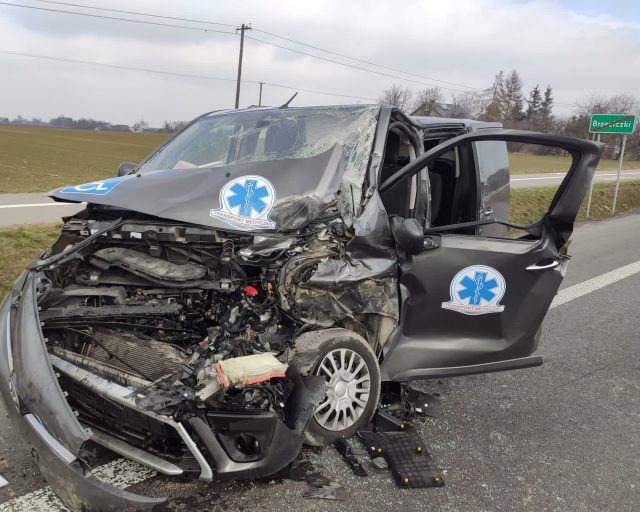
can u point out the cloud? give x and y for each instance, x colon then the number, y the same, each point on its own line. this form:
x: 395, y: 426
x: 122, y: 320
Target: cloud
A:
x: 466, y: 42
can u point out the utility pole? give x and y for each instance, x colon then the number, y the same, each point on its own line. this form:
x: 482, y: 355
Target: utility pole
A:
x: 241, y: 29
x: 260, y: 96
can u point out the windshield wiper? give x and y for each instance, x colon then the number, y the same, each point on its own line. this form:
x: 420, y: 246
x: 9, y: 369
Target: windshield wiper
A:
x: 64, y: 255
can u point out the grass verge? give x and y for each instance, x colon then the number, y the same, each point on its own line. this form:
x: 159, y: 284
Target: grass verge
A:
x: 529, y: 204
x: 38, y: 159
x: 524, y: 163
x: 19, y: 246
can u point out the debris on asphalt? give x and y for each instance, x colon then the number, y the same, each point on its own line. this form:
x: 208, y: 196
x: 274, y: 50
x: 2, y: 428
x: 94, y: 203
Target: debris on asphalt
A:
x: 317, y: 480
x: 299, y: 469
x: 406, y: 403
x: 326, y: 493
x: 348, y: 455
x: 385, y: 422
x: 380, y: 462
x: 424, y: 403
x: 404, y: 451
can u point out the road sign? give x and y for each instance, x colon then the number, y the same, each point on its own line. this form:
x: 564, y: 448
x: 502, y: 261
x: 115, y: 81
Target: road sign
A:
x: 612, y: 123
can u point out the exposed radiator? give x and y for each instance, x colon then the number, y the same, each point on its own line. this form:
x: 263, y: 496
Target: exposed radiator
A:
x: 148, y: 359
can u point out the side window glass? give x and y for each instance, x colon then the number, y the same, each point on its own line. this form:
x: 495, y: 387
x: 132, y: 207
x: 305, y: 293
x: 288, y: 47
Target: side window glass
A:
x: 453, y: 189
x: 518, y: 182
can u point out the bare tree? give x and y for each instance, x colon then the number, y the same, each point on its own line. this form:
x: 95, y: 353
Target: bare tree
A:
x: 578, y: 124
x: 466, y: 105
x: 398, y: 96
x: 494, y: 99
x: 428, y: 95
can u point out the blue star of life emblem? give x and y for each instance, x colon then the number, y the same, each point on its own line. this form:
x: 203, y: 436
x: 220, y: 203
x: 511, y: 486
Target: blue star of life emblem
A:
x: 476, y: 290
x: 249, y: 197
x: 245, y: 203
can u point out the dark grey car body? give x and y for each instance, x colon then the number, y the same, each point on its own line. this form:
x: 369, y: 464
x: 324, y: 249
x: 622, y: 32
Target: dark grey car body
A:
x: 363, y: 268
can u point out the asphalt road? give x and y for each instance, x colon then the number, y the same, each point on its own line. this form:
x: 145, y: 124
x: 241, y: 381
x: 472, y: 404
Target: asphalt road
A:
x: 16, y: 209
x: 562, y: 437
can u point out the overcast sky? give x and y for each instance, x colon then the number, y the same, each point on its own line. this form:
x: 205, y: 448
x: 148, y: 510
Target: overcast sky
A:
x: 579, y: 47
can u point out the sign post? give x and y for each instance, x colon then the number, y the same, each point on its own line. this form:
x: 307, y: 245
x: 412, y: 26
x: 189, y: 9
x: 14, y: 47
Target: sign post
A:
x: 622, y: 124
x: 596, y: 137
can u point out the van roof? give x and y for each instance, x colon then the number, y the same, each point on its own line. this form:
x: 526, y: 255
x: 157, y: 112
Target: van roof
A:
x: 473, y: 124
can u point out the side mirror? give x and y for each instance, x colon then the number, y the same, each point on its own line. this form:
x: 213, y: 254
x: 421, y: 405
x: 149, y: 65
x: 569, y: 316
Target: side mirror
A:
x: 125, y: 168
x: 408, y: 234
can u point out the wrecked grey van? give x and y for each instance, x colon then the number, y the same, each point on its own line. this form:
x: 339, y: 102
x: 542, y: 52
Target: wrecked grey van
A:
x: 251, y: 283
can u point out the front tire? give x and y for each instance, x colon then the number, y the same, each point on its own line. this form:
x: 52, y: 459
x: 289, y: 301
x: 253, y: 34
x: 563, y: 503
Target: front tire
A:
x: 352, y: 373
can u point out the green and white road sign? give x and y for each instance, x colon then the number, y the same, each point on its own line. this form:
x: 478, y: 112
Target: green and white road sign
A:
x: 612, y: 123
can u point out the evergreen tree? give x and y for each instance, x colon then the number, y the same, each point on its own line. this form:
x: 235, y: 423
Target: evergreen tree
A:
x: 533, y: 104
x: 547, y: 103
x: 513, y: 104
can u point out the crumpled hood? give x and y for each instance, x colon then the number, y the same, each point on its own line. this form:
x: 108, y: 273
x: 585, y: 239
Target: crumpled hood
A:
x: 275, y: 195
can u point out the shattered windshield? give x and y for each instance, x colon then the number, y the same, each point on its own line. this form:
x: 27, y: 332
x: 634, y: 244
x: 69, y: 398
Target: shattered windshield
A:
x: 261, y: 135
x: 293, y: 133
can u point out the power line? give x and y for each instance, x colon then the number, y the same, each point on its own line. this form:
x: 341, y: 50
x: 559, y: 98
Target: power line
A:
x: 172, y: 73
x: 362, y: 60
x: 349, y: 65
x: 68, y: 4
x: 224, y: 32
x: 184, y: 27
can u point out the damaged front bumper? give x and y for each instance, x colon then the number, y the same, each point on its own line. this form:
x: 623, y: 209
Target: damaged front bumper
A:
x: 58, y: 441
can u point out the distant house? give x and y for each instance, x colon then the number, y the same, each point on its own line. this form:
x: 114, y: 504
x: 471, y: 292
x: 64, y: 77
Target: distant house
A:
x: 434, y: 109
x: 117, y: 128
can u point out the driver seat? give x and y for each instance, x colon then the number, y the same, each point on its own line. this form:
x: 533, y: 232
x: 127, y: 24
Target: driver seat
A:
x: 396, y: 199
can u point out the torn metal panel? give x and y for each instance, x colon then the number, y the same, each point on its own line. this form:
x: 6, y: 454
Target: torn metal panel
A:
x: 330, y: 282
x: 342, y: 289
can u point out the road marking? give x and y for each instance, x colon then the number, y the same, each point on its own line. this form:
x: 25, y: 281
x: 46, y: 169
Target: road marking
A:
x: 36, y: 205
x: 561, y: 175
x: 533, y: 179
x: 3, y: 482
x: 581, y: 289
x: 120, y: 473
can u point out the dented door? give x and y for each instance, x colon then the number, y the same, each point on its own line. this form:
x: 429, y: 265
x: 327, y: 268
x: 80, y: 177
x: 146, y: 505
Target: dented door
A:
x: 471, y: 304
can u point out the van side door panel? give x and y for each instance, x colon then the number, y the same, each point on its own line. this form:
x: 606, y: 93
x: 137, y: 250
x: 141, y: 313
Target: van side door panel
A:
x: 475, y: 301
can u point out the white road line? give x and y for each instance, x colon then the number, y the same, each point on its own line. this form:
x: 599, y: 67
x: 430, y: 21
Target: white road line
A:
x: 562, y: 175
x: 579, y: 290
x: 548, y: 178
x: 3, y: 482
x: 34, y: 205
x: 120, y: 473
